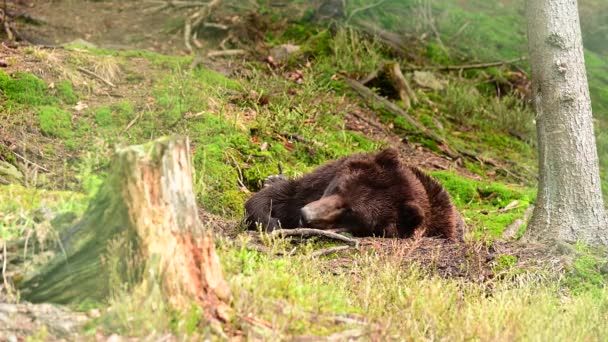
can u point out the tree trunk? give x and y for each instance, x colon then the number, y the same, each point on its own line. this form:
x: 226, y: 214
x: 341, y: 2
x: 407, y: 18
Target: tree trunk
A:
x: 569, y: 205
x: 148, y: 201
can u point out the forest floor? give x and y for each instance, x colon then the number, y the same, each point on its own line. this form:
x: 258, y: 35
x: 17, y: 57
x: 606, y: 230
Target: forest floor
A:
x: 110, y: 73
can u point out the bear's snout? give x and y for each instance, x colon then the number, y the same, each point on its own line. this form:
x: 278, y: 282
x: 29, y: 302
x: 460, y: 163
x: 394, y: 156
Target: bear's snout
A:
x: 323, y: 212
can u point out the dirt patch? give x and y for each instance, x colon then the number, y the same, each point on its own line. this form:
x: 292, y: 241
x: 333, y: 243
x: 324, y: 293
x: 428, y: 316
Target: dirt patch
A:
x: 111, y: 24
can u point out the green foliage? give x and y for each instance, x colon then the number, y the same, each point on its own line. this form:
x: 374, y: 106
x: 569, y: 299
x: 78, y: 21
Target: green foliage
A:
x: 504, y: 262
x: 55, y: 122
x: 588, y: 273
x: 24, y: 89
x: 115, y: 116
x: 480, y: 201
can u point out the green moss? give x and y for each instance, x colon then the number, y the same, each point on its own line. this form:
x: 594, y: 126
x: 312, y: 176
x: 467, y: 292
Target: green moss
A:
x: 586, y: 274
x: 115, y: 116
x: 480, y: 202
x: 213, y: 79
x: 55, y: 122
x: 437, y: 54
x: 24, y: 89
x: 66, y: 93
x: 504, y: 262
x: 103, y: 116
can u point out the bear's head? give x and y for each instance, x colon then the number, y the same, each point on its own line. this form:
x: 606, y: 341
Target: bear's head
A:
x: 365, y: 196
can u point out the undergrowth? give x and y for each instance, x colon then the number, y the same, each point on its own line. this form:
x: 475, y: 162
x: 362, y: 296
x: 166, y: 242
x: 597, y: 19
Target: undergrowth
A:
x: 241, y: 130
x: 303, y: 295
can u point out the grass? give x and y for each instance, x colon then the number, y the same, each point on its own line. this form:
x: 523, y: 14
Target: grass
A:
x: 238, y: 129
x: 299, y: 295
x: 480, y: 202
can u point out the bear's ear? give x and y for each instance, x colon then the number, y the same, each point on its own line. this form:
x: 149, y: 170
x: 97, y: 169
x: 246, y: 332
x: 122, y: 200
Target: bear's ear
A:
x: 388, y: 159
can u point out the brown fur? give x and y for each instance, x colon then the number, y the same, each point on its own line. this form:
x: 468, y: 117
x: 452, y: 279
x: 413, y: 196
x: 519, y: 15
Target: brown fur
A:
x: 368, y: 194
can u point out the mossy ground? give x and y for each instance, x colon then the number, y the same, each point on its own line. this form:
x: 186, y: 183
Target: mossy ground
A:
x: 240, y: 128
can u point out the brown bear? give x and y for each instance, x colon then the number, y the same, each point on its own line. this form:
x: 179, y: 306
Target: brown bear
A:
x: 366, y: 194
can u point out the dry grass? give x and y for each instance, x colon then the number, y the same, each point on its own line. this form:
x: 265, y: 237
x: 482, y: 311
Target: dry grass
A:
x: 300, y: 295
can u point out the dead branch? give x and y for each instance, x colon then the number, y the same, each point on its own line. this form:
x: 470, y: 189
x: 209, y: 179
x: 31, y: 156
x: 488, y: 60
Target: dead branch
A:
x: 234, y: 52
x: 373, y: 98
x: 299, y: 138
x: 512, y: 229
x: 131, y: 123
x: 308, y: 232
x: 27, y: 161
x: 94, y: 75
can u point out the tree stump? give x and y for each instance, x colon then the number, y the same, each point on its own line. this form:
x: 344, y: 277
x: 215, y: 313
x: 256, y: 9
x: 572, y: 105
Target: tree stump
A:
x: 148, y: 201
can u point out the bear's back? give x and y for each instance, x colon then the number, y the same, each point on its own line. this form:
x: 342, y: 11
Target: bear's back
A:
x: 444, y: 220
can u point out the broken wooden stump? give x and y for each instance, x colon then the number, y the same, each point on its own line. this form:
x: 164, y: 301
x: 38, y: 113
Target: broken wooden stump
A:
x: 147, y: 202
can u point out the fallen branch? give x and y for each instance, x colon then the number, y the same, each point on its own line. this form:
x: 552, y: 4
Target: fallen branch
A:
x: 373, y: 98
x: 234, y: 52
x: 27, y: 161
x: 308, y: 232
x: 512, y: 229
x: 467, y: 66
x: 94, y: 75
x: 131, y: 123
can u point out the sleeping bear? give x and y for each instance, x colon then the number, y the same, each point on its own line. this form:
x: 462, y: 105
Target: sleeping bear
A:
x: 365, y: 194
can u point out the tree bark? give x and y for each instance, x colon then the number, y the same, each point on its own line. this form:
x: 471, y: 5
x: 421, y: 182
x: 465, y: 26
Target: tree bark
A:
x: 569, y: 205
x: 148, y: 201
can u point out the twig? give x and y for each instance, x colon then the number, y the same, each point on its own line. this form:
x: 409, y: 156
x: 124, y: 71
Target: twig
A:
x: 468, y: 66
x: 431, y: 21
x: 299, y: 138
x: 329, y: 250
x: 372, y: 98
x: 240, y: 180
x: 460, y: 30
x: 25, y: 160
x: 131, y: 123
x: 94, y: 75
x: 4, y: 262
x: 216, y: 25
x: 307, y: 232
x: 218, y: 53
